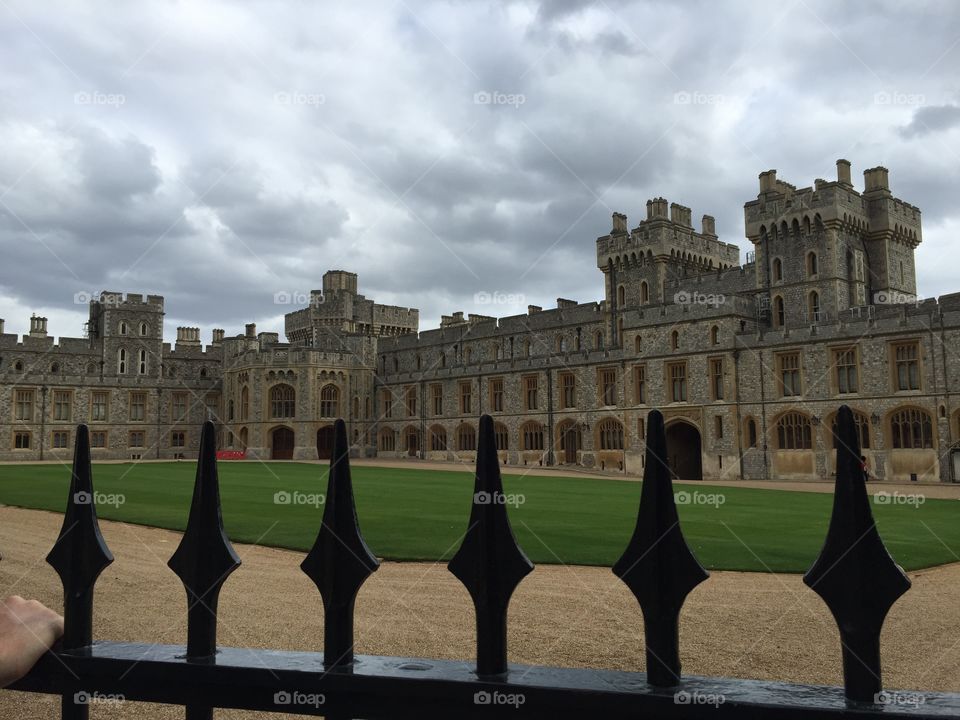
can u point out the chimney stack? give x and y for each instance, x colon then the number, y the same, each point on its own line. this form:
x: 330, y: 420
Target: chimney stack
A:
x: 251, y: 330
x: 709, y: 225
x: 877, y: 178
x: 188, y: 336
x: 619, y: 224
x: 843, y: 172
x: 768, y: 181
x: 38, y: 326
x: 217, y: 336
x: 656, y: 208
x: 680, y: 215
x: 1, y: 326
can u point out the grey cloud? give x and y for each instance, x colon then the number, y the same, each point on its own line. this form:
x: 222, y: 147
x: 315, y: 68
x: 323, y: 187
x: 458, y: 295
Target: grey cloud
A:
x: 932, y: 119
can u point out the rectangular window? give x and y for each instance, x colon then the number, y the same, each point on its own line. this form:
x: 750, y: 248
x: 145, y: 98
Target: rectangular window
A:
x: 608, y: 386
x: 411, y: 401
x: 496, y: 394
x: 178, y: 408
x: 789, y: 374
x: 136, y: 439
x: 62, y: 405
x: 61, y: 440
x: 387, y: 403
x: 21, y: 441
x: 568, y: 390
x: 640, y: 384
x: 716, y: 378
x: 845, y: 362
x: 907, y: 366
x: 138, y: 407
x: 212, y: 403
x: 530, y: 392
x: 436, y: 392
x: 641, y: 428
x: 23, y: 405
x: 98, y: 439
x: 466, y: 398
x: 718, y: 427
x: 177, y: 440
x: 99, y: 402
x: 677, y: 378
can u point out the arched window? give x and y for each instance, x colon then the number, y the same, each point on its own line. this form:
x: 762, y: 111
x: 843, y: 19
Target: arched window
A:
x: 814, y: 306
x: 18, y: 366
x: 122, y: 361
x: 526, y: 347
x: 675, y: 340
x: 123, y: 328
x: 611, y: 435
x: 438, y: 438
x: 751, y: 432
x: 911, y: 428
x: 598, y: 340
x: 621, y: 296
x: 142, y: 363
x: 532, y: 434
x: 777, y: 269
x: 863, y: 430
x: 502, y: 436
x: 244, y: 403
x: 230, y: 410
x: 282, y: 401
x: 793, y: 432
x: 466, y: 438
x: 779, y: 318
x: 715, y: 335
x: 644, y: 293
x: 388, y: 440
x: 143, y: 328
x: 812, y: 264
x: 244, y: 438
x: 329, y: 401
x: 356, y: 407
x: 55, y: 368
x: 637, y: 344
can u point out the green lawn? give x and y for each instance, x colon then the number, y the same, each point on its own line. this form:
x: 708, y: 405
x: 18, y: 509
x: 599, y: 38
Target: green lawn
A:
x: 410, y: 514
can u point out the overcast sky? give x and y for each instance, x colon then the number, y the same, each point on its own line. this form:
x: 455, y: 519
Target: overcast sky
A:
x: 219, y: 154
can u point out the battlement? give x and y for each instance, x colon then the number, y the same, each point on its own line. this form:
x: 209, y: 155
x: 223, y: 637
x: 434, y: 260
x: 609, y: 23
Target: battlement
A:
x: 110, y: 298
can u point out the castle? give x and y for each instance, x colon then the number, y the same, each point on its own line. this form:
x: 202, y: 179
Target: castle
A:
x: 748, y: 362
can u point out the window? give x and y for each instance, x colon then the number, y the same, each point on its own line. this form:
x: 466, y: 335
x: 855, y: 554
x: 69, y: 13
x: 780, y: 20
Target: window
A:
x: 638, y: 344
x: 621, y: 296
x: 532, y: 434
x: 283, y: 401
x: 715, y: 335
x: 23, y: 405
x: 598, y: 341
x: 138, y: 407
x: 502, y: 436
x: 845, y: 364
x: 907, y: 366
x: 436, y: 393
x: 438, y: 438
x: 911, y: 428
x: 779, y: 318
x: 611, y: 435
x: 143, y: 328
x: 640, y: 384
x: 60, y: 440
x: 21, y: 441
x: 793, y: 432
x: 387, y: 398
x: 466, y: 438
x: 675, y: 340
x: 388, y: 440
x: 677, y: 379
x: 142, y: 363
x: 178, y: 408
x: 122, y: 361
x: 718, y: 427
x: 789, y: 374
x: 330, y: 401
x: 751, y: 432
x: 212, y: 403
x: 62, y: 405
x: 99, y: 404
x: 123, y: 328
x: 812, y: 264
x: 136, y: 439
x: 568, y: 390
x: 644, y: 293
x: 813, y: 307
x: 530, y: 392
x: 496, y: 394
x: 244, y: 403
x: 863, y: 430
x: 177, y: 440
x: 98, y: 439
x: 466, y: 398
x: 641, y: 428
x: 410, y: 401
x: 777, y: 269
x: 716, y: 378
x: 608, y: 386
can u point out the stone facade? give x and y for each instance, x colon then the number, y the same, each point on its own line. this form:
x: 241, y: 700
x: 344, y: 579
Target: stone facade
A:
x: 748, y: 362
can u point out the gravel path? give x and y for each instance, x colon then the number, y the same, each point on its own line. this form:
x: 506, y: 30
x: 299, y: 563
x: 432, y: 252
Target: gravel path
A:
x: 735, y: 624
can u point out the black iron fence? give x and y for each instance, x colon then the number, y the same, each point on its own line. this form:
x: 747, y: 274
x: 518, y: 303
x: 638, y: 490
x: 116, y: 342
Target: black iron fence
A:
x: 854, y: 574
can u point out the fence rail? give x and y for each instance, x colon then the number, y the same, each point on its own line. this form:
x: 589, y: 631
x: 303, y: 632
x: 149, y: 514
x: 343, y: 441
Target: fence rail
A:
x: 854, y: 575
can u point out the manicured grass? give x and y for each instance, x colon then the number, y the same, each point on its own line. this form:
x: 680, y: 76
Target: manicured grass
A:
x: 411, y: 514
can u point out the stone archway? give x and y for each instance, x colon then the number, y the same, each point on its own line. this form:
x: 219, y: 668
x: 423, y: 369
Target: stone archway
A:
x: 325, y: 442
x: 281, y: 444
x: 684, y: 451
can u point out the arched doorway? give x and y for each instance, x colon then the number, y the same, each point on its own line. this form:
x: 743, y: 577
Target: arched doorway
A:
x: 282, y: 443
x: 412, y: 441
x: 325, y: 442
x: 683, y: 451
x: 570, y: 441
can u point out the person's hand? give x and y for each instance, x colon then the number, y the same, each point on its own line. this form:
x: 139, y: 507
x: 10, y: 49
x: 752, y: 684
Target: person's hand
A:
x: 27, y: 630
